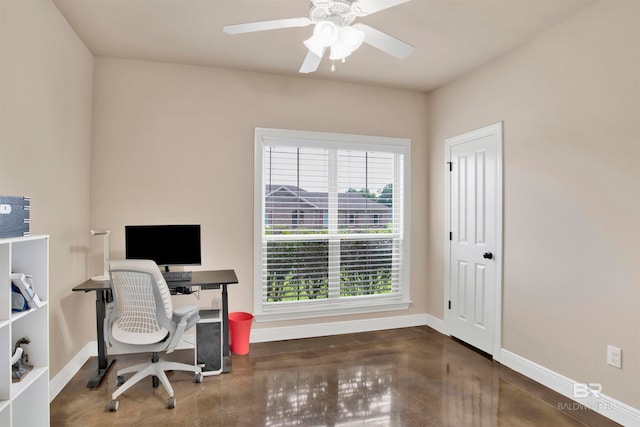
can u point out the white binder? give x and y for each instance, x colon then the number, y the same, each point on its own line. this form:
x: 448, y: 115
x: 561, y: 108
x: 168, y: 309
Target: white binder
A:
x: 24, y: 282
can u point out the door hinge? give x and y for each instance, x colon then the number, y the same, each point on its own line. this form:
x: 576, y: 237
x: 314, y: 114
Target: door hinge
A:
x: 449, y: 304
x: 450, y: 164
x: 451, y: 235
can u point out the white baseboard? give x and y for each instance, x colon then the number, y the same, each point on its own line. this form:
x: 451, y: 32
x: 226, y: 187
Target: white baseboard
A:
x: 336, y: 328
x: 57, y: 383
x: 437, y: 324
x: 596, y: 401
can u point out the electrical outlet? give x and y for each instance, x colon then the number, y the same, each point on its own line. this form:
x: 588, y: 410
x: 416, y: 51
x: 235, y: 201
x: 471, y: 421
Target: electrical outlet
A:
x: 614, y: 356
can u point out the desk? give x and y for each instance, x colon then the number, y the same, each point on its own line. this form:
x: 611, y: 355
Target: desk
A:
x: 214, y: 279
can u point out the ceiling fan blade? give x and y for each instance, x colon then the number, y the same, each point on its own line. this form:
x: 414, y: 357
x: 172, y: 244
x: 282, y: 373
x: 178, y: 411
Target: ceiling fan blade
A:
x: 311, y: 62
x: 266, y: 25
x: 367, y: 7
x: 384, y: 42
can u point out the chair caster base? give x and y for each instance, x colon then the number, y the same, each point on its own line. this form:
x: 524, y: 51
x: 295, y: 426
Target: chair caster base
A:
x: 113, y: 405
x: 171, y: 403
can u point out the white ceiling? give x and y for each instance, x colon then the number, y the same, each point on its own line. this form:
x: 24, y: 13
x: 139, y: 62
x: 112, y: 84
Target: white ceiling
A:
x: 451, y: 37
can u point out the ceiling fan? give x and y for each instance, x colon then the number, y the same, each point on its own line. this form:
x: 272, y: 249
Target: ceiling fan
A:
x: 333, y: 30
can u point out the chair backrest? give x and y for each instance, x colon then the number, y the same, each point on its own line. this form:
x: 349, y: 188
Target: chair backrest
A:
x: 141, y: 297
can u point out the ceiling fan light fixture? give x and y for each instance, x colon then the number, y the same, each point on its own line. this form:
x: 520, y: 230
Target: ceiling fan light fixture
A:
x: 351, y: 37
x: 350, y: 40
x: 315, y: 45
x: 327, y: 32
x: 339, y: 50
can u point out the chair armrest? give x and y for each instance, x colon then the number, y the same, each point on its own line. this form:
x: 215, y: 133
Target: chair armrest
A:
x: 183, y: 318
x: 184, y: 313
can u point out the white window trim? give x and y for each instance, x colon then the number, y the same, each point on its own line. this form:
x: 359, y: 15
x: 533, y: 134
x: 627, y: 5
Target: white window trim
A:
x: 352, y: 305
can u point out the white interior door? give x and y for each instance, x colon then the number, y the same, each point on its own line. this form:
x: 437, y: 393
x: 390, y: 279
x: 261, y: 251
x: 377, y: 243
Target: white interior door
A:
x: 474, y: 239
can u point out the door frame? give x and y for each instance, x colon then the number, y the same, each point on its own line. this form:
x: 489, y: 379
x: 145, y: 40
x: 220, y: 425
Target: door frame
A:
x: 494, y: 129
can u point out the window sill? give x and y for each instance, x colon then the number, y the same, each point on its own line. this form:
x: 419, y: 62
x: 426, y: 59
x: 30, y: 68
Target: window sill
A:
x: 309, y: 311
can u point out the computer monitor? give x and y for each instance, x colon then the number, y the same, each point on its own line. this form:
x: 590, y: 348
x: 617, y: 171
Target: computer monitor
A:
x: 167, y: 245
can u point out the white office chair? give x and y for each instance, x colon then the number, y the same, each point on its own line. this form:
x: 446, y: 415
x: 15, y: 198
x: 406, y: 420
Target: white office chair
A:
x: 141, y: 319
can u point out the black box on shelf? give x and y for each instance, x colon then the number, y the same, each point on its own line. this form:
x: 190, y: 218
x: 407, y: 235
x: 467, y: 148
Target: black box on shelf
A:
x: 14, y: 216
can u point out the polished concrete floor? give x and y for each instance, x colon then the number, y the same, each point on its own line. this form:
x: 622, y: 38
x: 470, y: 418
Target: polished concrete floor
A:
x: 402, y: 377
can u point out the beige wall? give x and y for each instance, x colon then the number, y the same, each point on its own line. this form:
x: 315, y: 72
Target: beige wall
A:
x: 174, y: 144
x: 45, y: 137
x: 570, y: 103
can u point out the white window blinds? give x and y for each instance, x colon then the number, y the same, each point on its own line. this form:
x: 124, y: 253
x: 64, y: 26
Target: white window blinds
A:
x: 332, y: 228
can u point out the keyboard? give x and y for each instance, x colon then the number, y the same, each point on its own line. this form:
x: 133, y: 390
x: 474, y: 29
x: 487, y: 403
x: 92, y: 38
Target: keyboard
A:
x: 176, y: 276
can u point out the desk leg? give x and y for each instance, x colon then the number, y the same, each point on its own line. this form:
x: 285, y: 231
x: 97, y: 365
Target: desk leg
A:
x: 104, y: 363
x: 226, y: 354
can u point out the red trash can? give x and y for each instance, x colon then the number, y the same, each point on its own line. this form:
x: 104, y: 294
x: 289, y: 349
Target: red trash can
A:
x: 239, y: 331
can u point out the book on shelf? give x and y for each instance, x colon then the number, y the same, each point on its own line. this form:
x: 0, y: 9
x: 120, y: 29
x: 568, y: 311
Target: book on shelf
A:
x: 24, y: 282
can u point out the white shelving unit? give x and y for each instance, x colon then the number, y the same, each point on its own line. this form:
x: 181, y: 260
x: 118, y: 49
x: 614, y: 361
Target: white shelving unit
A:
x: 25, y: 403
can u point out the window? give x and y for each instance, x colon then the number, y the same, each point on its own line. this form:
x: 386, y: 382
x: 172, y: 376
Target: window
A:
x: 337, y: 239
x: 297, y: 218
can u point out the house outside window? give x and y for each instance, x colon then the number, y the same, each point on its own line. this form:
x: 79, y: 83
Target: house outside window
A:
x: 337, y: 239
